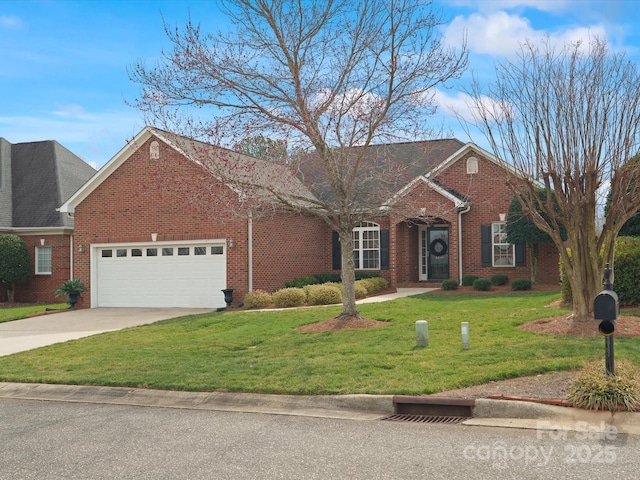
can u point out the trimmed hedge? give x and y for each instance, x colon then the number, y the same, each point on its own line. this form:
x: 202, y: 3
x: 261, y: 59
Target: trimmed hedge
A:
x: 289, y: 297
x: 626, y: 270
x: 257, y: 299
x: 482, y: 284
x: 521, y: 284
x: 320, y: 278
x: 467, y: 280
x: 450, y: 284
x: 499, y: 279
x: 323, y: 294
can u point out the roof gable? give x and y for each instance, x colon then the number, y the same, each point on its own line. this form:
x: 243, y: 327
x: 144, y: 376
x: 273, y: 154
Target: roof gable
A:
x: 246, y: 170
x: 35, y: 178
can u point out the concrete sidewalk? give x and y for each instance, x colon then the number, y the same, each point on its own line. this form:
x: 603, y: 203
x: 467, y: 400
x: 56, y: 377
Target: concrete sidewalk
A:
x: 34, y: 332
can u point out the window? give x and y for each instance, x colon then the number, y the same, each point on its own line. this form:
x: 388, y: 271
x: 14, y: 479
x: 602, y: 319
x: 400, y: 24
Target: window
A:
x: 167, y: 251
x: 199, y: 250
x: 183, y: 251
x: 121, y: 252
x: 217, y: 250
x: 107, y: 253
x: 366, y: 246
x: 503, y: 252
x: 136, y: 252
x: 43, y: 260
x: 152, y: 252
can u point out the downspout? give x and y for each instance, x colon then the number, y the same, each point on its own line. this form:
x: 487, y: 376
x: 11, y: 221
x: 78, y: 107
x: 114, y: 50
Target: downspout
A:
x: 250, y: 251
x: 460, y: 239
x: 71, y: 257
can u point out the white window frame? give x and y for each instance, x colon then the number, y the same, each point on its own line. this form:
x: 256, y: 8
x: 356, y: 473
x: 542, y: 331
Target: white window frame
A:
x: 366, y: 246
x: 503, y: 254
x: 48, y: 261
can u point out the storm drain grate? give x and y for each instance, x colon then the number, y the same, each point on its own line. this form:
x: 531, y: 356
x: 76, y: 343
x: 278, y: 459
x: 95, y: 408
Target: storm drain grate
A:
x: 398, y: 417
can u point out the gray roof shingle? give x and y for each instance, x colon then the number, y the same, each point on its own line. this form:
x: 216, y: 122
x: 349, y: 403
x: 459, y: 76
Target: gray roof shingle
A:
x: 40, y: 177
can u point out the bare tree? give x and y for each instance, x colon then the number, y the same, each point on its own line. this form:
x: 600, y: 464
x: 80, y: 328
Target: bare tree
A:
x: 569, y: 120
x: 329, y: 77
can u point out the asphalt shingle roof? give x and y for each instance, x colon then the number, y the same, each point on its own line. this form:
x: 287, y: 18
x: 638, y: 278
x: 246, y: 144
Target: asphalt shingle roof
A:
x: 35, y: 179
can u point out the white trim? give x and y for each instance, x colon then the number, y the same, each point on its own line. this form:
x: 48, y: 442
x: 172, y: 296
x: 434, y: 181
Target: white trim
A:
x: 471, y: 147
x: 38, y: 230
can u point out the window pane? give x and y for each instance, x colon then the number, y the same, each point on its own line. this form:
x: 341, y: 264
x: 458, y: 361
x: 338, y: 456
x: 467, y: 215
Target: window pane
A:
x: 183, y: 251
x: 43, y: 260
x: 152, y: 252
x: 199, y: 250
x: 217, y: 250
x: 136, y: 252
x: 107, y: 253
x: 167, y: 252
x: 121, y: 252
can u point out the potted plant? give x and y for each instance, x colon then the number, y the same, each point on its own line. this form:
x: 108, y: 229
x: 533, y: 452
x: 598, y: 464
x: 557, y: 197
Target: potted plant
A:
x: 72, y: 289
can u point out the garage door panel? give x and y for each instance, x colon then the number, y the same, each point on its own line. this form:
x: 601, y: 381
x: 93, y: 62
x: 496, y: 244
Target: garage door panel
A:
x: 157, y: 280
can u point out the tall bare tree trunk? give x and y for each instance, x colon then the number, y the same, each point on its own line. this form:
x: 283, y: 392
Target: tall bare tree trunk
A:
x: 349, y: 309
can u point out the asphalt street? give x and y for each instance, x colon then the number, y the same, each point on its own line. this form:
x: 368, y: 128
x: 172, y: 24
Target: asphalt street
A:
x: 54, y: 440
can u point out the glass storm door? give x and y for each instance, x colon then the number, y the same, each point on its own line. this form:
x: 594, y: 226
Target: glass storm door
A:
x: 434, y: 253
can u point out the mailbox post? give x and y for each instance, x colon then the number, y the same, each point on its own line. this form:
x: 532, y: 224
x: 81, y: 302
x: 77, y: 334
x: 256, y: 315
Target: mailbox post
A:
x: 606, y: 308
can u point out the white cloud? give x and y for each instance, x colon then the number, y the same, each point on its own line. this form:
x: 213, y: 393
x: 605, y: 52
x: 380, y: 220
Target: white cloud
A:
x: 10, y: 22
x: 501, y: 34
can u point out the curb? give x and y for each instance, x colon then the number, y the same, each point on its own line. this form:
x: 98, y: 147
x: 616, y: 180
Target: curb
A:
x: 357, y: 407
x: 487, y: 412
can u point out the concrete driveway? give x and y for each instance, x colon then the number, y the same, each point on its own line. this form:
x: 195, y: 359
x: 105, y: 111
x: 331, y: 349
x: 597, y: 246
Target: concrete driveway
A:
x: 35, y: 332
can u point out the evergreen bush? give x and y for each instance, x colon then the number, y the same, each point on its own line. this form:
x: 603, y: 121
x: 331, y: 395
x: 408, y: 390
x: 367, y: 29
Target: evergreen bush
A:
x: 450, y: 284
x: 289, y: 297
x: 257, y: 299
x: 499, y: 279
x: 521, y: 284
x: 482, y: 284
x: 467, y: 280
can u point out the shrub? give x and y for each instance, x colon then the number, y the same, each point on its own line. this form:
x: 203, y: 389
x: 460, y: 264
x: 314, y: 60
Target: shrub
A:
x: 467, y: 280
x: 521, y: 284
x: 374, y: 284
x: 361, y: 289
x: 627, y: 270
x: 593, y: 389
x: 257, y: 299
x: 289, y: 297
x: 499, y: 279
x: 482, y: 284
x: 323, y: 294
x: 450, y: 284
x: 301, y: 282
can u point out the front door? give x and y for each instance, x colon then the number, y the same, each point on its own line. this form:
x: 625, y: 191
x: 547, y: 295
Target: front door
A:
x: 434, y: 253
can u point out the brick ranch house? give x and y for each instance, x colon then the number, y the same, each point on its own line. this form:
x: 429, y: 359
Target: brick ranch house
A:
x: 142, y: 240
x: 35, y: 179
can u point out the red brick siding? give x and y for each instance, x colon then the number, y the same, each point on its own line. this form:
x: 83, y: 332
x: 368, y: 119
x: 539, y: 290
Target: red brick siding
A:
x: 288, y: 246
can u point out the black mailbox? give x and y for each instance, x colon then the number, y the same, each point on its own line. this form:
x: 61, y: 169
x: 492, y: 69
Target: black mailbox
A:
x: 606, y: 308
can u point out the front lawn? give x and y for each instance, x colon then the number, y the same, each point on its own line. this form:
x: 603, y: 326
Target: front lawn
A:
x: 248, y: 351
x: 16, y: 313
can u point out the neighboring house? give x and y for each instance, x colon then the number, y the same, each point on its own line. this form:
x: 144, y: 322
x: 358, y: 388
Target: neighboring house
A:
x: 35, y: 179
x: 144, y: 239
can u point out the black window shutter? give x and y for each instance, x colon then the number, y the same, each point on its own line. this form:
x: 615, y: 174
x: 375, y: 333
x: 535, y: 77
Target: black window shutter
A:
x: 521, y: 254
x: 384, y: 249
x: 485, y: 242
x: 336, y: 253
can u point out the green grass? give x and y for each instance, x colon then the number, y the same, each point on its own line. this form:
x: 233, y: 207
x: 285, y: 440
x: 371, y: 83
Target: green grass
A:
x: 248, y: 351
x: 9, y: 314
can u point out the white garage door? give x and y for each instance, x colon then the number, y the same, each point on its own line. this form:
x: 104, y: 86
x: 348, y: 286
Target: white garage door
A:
x: 160, y: 275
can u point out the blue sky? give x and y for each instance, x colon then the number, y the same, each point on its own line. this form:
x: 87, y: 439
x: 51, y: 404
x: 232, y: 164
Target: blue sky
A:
x: 63, y: 63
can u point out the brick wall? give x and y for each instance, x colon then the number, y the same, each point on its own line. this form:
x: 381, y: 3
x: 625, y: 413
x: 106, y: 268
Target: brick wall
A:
x: 41, y: 288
